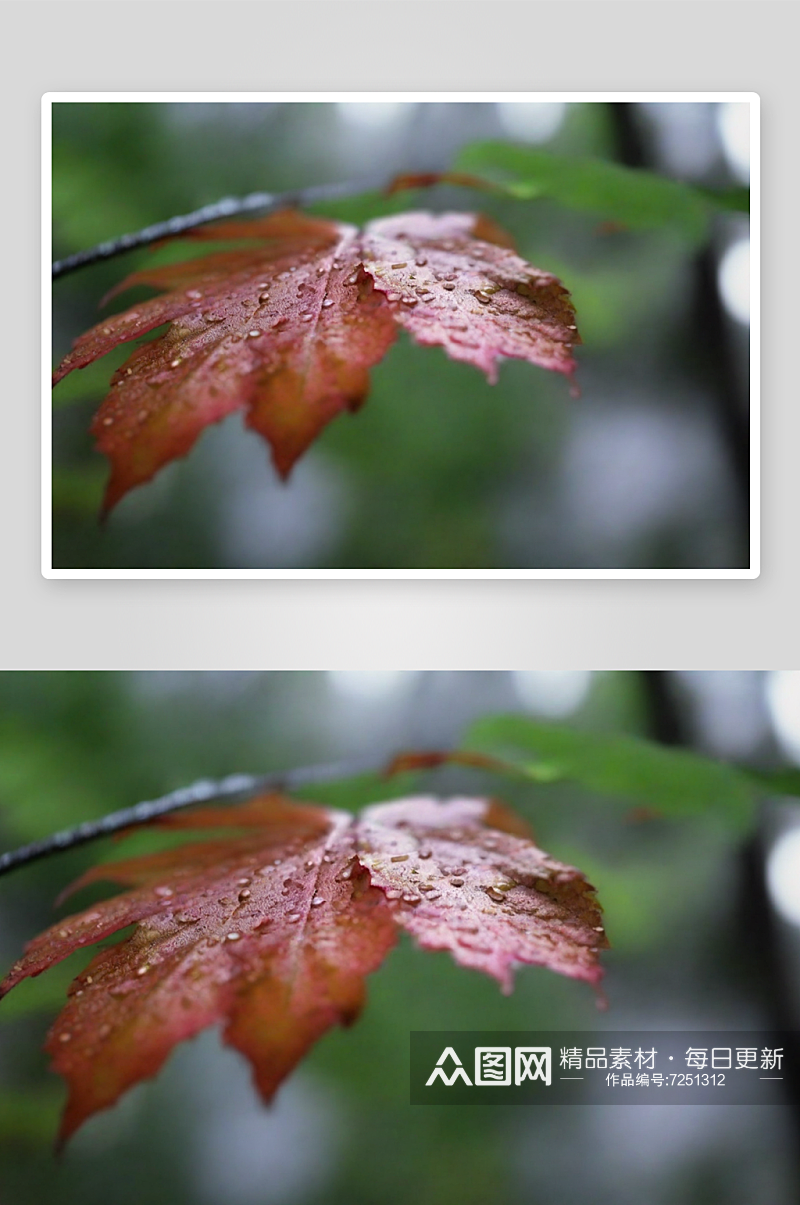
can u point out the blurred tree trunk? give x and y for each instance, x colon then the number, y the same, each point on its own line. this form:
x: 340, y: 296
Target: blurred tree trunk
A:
x: 710, y: 336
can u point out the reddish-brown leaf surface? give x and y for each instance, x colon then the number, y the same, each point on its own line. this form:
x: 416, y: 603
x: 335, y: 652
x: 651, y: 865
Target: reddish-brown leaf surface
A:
x: 272, y: 927
x: 475, y: 885
x: 287, y: 323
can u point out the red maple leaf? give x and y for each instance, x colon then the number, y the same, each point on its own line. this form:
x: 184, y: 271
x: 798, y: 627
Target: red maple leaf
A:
x: 287, y: 326
x: 272, y: 930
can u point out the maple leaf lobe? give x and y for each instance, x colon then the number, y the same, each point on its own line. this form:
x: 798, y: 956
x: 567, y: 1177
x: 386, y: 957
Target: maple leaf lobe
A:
x: 478, y: 889
x: 456, y: 283
x: 286, y: 328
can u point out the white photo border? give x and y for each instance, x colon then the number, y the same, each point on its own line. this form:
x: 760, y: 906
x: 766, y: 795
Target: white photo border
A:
x: 750, y: 98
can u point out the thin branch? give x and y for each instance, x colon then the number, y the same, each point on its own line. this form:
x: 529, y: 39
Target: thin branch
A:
x: 235, y: 786
x: 226, y: 208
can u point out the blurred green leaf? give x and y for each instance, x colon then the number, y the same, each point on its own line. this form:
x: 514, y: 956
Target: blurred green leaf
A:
x: 674, y: 781
x: 776, y: 782
x: 735, y: 200
x: 632, y: 197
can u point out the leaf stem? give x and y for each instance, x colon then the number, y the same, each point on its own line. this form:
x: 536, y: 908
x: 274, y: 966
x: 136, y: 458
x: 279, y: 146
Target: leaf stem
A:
x: 235, y: 786
x: 225, y: 208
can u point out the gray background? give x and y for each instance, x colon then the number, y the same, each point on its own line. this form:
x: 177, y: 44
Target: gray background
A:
x: 373, y: 46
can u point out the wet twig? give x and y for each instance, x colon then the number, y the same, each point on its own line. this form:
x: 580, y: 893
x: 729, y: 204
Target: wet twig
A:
x: 265, y: 202
x: 226, y: 790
